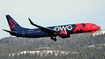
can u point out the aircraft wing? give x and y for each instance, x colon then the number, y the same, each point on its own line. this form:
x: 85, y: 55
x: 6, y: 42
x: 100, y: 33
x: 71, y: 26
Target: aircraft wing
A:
x: 46, y: 30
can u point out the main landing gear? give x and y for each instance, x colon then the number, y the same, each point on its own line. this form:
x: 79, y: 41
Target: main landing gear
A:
x: 53, y: 38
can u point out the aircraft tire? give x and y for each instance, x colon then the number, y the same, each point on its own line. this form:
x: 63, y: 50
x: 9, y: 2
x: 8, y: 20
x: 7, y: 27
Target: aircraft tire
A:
x: 54, y: 38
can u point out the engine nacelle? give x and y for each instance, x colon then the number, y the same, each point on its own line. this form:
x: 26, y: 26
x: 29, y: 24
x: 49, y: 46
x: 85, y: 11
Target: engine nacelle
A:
x: 65, y: 36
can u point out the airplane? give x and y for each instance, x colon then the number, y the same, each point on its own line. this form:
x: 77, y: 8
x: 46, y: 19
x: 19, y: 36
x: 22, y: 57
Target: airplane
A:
x: 63, y: 31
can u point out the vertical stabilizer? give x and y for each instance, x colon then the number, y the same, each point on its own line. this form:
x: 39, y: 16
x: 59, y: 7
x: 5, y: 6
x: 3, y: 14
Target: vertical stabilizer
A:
x: 12, y: 23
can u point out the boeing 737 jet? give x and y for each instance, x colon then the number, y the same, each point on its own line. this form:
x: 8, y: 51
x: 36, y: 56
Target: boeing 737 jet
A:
x: 62, y: 31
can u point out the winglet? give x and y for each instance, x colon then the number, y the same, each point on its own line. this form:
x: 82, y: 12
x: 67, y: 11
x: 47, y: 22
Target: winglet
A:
x: 34, y: 23
x: 31, y: 21
x: 42, y: 28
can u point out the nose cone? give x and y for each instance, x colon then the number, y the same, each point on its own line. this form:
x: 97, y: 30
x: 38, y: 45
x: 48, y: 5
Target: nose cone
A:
x: 98, y: 27
x: 94, y: 27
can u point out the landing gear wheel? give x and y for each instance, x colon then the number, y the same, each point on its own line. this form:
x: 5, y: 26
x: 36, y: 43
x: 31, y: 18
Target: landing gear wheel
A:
x: 54, y: 38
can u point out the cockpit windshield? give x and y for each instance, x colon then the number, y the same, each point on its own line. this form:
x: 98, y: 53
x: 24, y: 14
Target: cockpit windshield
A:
x: 94, y: 25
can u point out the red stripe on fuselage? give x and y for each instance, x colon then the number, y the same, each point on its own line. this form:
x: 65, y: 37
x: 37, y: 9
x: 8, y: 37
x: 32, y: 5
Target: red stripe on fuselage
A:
x: 80, y: 28
x: 77, y: 28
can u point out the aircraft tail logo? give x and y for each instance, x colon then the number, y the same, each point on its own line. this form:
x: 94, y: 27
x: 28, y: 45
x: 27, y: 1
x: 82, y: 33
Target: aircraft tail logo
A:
x: 12, y: 23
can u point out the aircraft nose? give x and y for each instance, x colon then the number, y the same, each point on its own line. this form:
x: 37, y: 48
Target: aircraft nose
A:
x: 98, y: 27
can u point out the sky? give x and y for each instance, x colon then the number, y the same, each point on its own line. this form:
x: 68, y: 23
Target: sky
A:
x: 51, y: 12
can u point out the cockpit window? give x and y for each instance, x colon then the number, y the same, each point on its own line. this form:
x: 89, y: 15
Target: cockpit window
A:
x: 94, y: 24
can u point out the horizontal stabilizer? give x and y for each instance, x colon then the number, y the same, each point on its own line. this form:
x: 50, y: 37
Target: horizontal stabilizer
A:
x: 11, y: 32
